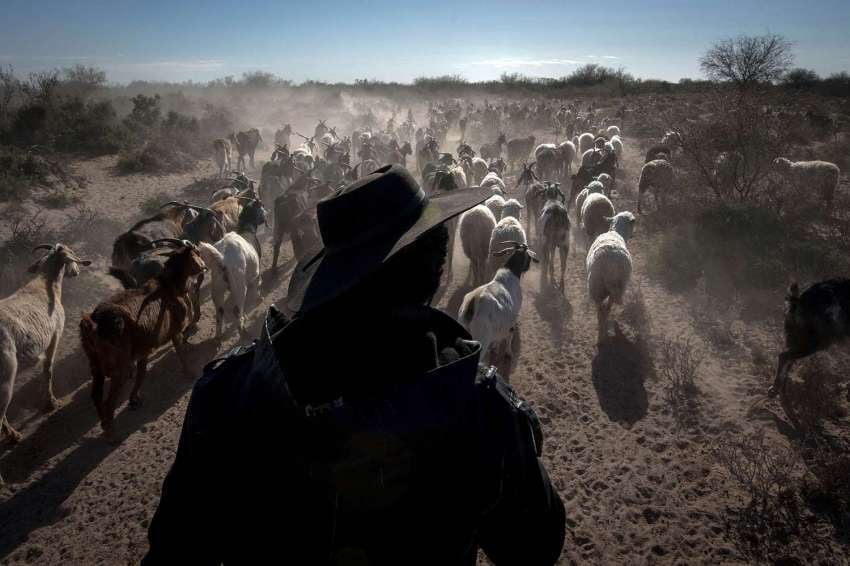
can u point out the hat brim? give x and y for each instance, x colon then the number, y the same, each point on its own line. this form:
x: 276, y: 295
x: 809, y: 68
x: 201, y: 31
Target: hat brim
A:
x: 323, y: 275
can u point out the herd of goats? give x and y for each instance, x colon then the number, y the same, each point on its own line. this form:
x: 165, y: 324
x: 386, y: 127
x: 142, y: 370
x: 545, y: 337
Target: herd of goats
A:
x: 163, y: 260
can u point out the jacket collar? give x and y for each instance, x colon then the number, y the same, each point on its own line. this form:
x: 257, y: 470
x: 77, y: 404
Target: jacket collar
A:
x: 267, y: 378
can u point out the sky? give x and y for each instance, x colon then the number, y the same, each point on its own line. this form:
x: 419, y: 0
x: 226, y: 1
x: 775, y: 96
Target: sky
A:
x: 399, y: 40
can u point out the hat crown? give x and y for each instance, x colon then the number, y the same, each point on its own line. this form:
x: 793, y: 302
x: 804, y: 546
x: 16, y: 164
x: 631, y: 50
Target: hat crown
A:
x: 379, y: 204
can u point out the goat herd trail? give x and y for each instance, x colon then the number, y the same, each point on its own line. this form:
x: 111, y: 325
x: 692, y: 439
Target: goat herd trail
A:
x: 639, y: 484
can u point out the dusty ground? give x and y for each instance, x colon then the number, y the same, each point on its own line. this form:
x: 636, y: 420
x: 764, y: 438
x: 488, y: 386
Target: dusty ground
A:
x: 640, y: 486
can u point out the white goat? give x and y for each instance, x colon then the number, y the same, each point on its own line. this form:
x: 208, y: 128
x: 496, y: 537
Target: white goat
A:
x: 512, y: 207
x: 31, y: 323
x: 592, y: 187
x: 491, y: 311
x: 507, y: 230
x: 235, y: 267
x: 479, y: 170
x: 585, y: 142
x: 807, y: 176
x: 476, y: 227
x: 493, y: 182
x: 595, y: 211
x: 617, y: 144
x: 495, y: 204
x: 567, y: 151
x: 607, y: 183
x: 609, y: 268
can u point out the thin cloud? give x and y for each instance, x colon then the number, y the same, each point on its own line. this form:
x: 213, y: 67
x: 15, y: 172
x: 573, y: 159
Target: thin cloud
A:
x: 512, y: 62
x: 611, y: 57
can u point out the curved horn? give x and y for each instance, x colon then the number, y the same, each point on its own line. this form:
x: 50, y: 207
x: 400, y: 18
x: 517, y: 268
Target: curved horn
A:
x: 173, y: 203
x: 50, y: 247
x: 169, y: 241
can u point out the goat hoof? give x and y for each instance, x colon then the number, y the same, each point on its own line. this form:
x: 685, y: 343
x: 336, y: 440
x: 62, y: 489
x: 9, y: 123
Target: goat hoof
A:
x: 771, y: 393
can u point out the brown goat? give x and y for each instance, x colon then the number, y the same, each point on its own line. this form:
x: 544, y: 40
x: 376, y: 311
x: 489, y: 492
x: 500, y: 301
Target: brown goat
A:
x: 229, y: 208
x: 126, y: 328
x: 168, y: 223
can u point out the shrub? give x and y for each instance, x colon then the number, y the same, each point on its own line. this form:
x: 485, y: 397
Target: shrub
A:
x: 765, y: 472
x: 151, y: 205
x: 155, y: 158
x: 58, y: 198
x: 25, y: 231
x: 89, y: 231
x: 19, y: 172
x: 679, y: 362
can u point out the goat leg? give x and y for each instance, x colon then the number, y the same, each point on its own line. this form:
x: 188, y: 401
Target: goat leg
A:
x: 49, y: 355
x: 180, y: 348
x: 141, y: 372
x: 780, y: 382
x: 564, y: 253
x: 602, y: 319
x: 116, y: 386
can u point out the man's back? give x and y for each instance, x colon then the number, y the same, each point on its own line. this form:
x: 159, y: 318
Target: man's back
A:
x: 417, y: 468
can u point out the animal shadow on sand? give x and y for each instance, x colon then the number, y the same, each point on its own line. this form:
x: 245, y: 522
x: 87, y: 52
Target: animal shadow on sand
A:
x: 619, y: 369
x: 39, y: 503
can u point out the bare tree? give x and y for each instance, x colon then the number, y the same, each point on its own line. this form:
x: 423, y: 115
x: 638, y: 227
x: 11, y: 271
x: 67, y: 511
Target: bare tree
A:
x: 748, y: 60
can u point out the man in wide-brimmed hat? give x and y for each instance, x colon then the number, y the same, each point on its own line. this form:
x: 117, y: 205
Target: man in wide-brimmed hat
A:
x: 360, y: 429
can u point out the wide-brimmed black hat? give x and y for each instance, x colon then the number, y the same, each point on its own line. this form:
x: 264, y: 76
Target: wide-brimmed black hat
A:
x: 365, y: 224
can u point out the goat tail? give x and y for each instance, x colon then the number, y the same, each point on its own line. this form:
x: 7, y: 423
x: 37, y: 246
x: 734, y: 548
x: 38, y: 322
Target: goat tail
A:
x: 794, y: 291
x: 123, y: 276
x: 88, y: 335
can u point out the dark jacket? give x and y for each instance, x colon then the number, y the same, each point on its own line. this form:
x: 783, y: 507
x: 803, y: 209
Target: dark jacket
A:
x: 317, y: 447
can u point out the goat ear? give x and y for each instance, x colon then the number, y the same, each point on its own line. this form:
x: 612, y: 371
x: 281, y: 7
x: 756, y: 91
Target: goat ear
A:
x: 34, y: 267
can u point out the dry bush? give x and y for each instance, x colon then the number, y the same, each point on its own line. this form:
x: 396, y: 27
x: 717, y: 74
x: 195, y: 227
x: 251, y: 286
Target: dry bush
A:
x: 152, y: 205
x: 678, y: 363
x: 765, y: 471
x: 58, y: 198
x: 770, y: 474
x: 26, y: 230
x: 89, y: 231
x: 634, y: 311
